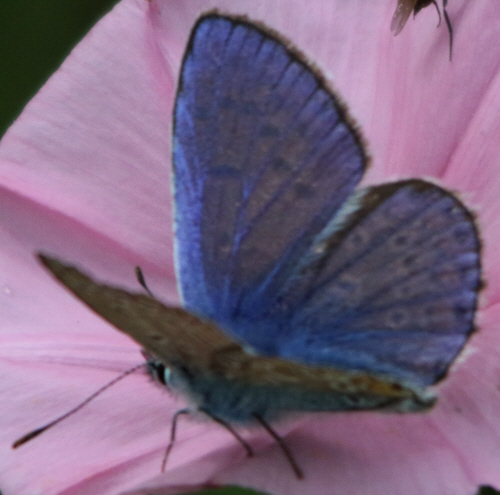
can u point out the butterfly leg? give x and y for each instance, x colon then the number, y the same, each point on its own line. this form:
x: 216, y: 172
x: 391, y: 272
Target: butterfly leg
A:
x: 172, y: 436
x: 231, y: 430
x: 283, y: 446
x: 449, y: 25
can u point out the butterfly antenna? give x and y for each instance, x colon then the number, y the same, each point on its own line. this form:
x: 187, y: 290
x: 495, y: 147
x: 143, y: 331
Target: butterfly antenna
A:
x: 283, y: 446
x: 38, y: 431
x: 140, y: 278
x: 173, y: 431
x: 231, y: 430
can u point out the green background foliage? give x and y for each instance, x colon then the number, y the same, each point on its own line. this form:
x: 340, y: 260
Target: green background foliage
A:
x: 35, y: 37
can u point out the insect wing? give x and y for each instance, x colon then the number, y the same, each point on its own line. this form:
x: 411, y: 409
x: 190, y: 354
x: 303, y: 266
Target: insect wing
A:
x: 402, y: 14
x: 263, y: 158
x: 390, y: 287
x: 170, y: 334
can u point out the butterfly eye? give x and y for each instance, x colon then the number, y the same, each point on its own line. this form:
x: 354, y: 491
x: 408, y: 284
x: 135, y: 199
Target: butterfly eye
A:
x: 159, y: 372
x: 162, y: 374
x: 166, y: 376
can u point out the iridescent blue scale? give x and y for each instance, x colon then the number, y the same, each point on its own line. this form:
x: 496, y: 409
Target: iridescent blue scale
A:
x: 275, y: 244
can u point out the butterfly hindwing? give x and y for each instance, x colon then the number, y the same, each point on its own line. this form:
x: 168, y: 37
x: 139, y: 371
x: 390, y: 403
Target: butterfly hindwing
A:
x: 263, y: 157
x: 391, y: 289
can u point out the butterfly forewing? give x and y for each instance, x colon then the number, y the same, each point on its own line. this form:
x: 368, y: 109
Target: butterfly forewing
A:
x: 171, y: 334
x: 263, y: 157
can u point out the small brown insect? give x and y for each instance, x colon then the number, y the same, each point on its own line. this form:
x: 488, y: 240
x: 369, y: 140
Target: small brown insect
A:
x: 406, y: 7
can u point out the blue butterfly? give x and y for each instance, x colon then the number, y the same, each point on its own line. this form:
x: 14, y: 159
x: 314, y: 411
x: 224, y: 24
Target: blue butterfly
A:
x: 300, y: 292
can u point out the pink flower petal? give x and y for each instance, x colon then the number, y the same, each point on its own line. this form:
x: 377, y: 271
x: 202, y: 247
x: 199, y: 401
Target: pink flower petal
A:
x: 95, y: 142
x: 84, y: 175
